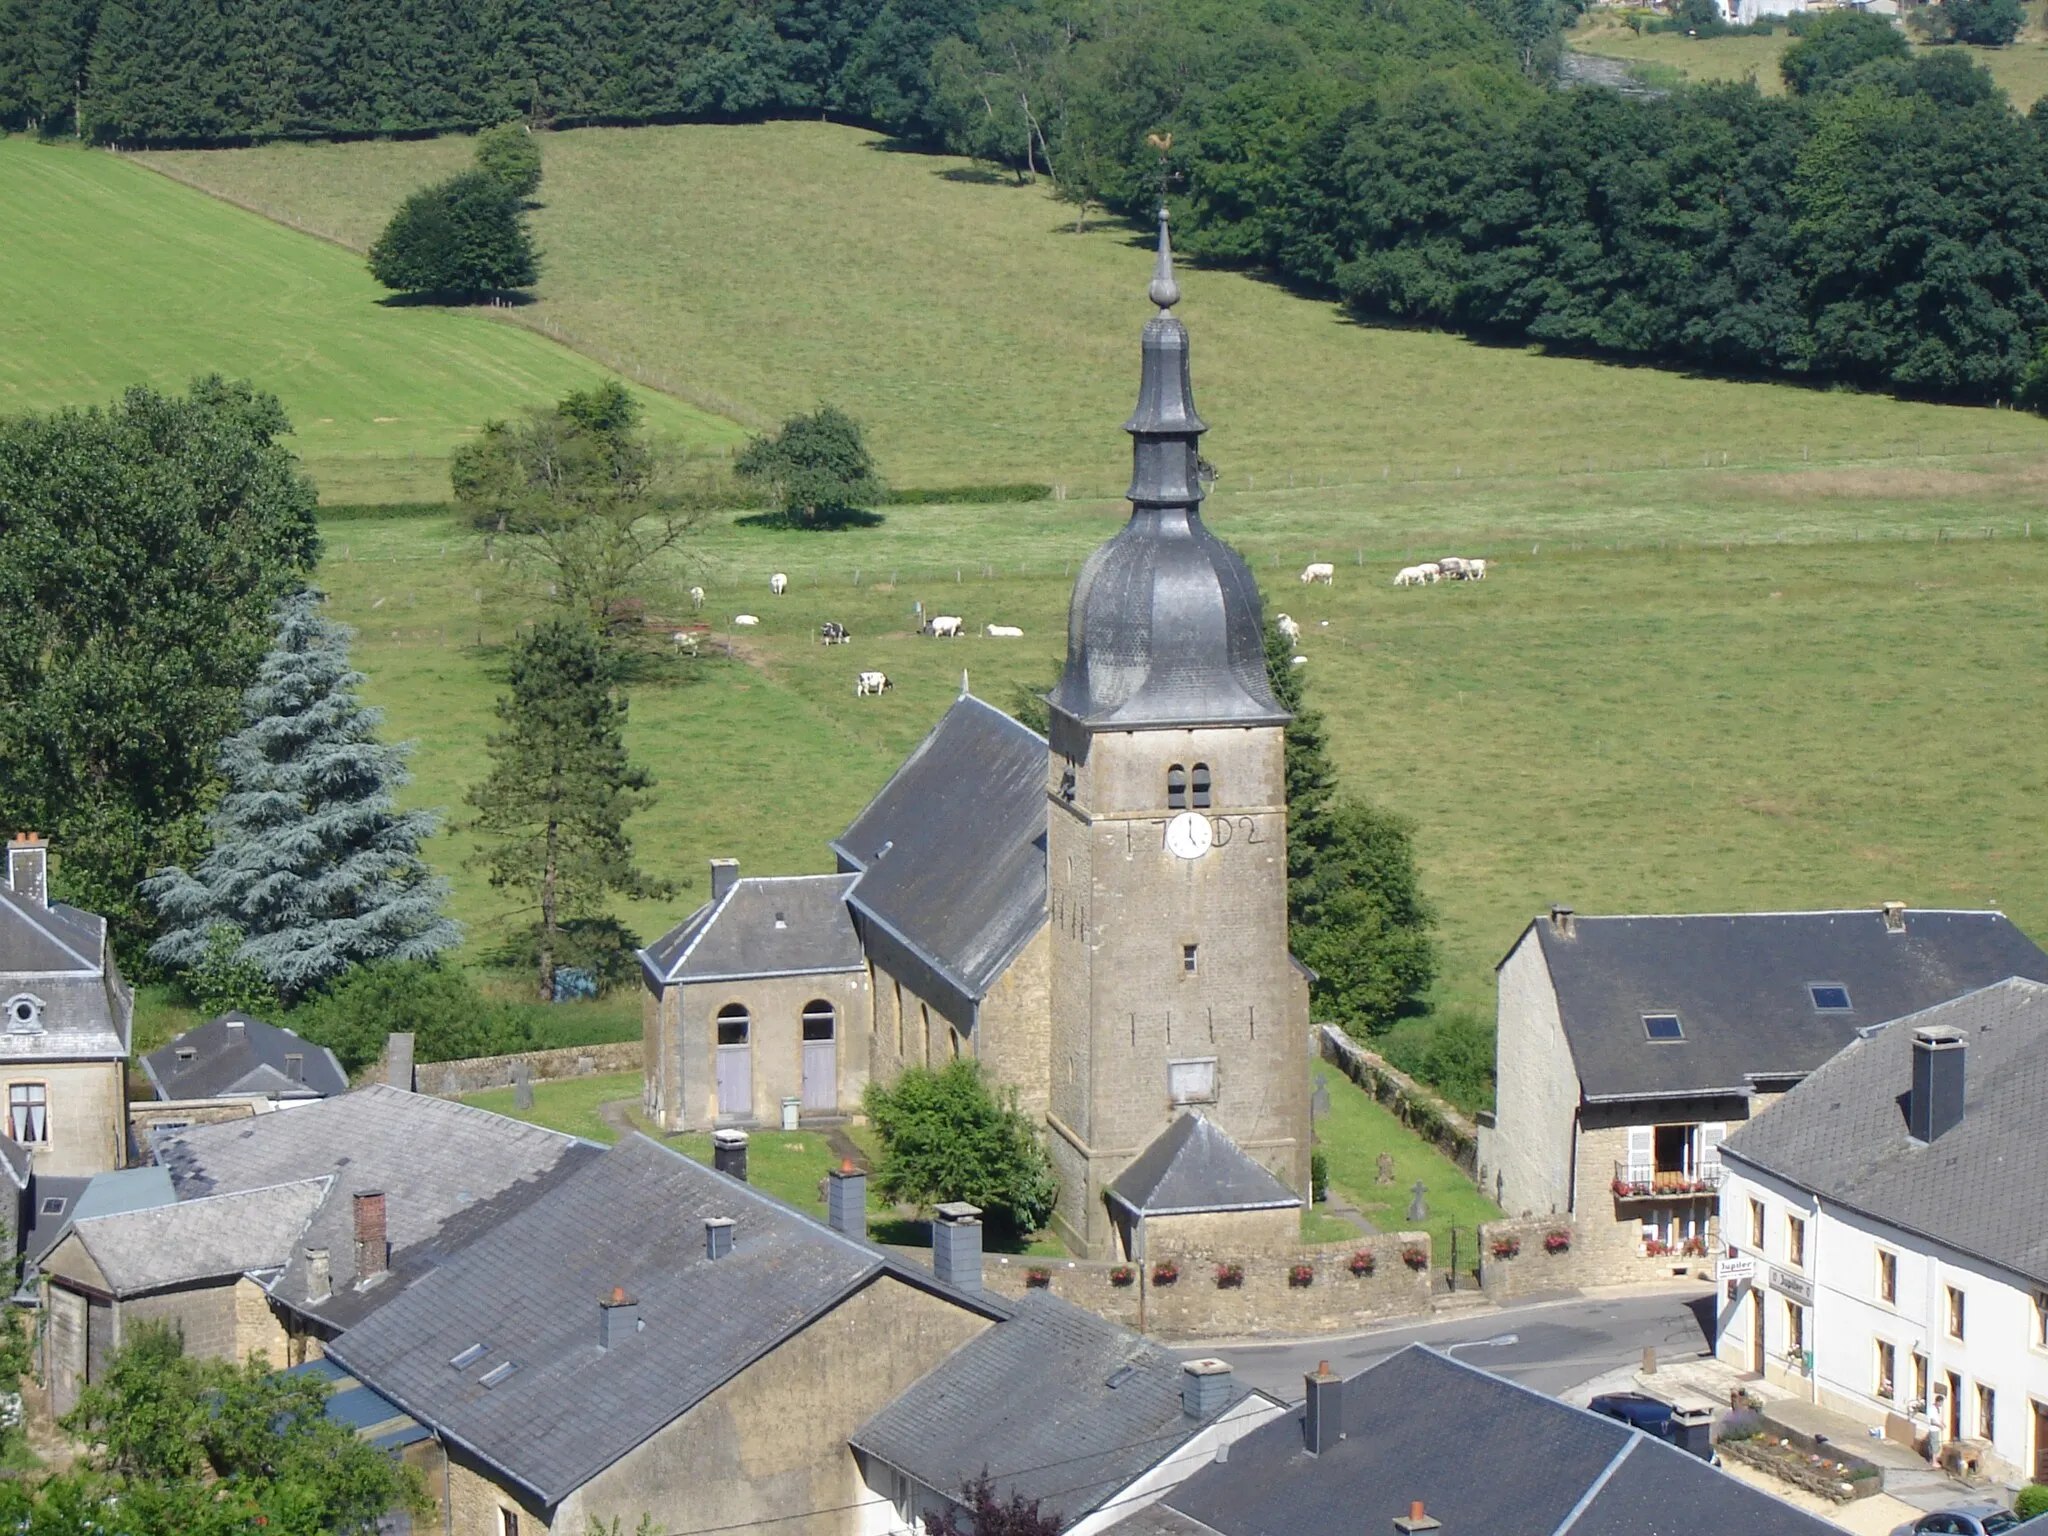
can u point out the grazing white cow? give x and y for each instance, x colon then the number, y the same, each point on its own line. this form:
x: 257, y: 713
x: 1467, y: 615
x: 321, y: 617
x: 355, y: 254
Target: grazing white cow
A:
x: 1321, y: 571
x: 1410, y: 576
x: 949, y: 626
x: 1431, y: 571
x: 1452, y: 567
x: 831, y: 632
x: 685, y: 642
x: 1005, y: 632
x: 1287, y: 627
x: 778, y: 584
x: 1475, y: 570
x: 869, y: 682
x: 696, y: 598
x: 744, y: 620
x: 1297, y: 661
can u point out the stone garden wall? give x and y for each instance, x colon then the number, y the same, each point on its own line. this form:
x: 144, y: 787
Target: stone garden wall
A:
x: 452, y: 1079
x: 1533, y: 1265
x: 1420, y: 1110
x: 1223, y: 1291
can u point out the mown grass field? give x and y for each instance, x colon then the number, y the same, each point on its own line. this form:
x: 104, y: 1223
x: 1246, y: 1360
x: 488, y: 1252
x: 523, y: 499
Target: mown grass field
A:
x: 2021, y: 69
x: 112, y: 276
x: 757, y: 270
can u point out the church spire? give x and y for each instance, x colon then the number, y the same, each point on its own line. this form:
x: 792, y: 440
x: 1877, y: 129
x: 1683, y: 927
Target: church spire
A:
x: 1165, y: 431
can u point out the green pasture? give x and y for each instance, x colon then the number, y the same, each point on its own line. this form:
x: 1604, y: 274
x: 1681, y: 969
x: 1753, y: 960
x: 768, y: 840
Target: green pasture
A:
x: 2021, y: 69
x: 757, y: 270
x: 111, y: 276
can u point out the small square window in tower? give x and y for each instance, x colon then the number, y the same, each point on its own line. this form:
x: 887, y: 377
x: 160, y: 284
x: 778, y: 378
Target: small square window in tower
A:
x: 1176, y: 788
x: 1187, y: 958
x: 1200, y: 786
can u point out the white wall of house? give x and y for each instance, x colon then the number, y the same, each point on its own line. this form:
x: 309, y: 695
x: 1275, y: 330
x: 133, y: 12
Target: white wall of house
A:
x: 1526, y: 1154
x: 2003, y: 1348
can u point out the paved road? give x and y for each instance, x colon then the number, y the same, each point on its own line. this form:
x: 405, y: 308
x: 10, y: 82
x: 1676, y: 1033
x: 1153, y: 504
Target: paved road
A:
x: 1559, y: 1344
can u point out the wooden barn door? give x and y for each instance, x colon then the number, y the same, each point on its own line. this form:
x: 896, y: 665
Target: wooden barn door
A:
x: 821, y: 1057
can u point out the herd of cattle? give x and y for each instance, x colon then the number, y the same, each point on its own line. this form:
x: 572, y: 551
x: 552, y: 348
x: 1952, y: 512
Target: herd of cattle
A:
x: 1450, y: 567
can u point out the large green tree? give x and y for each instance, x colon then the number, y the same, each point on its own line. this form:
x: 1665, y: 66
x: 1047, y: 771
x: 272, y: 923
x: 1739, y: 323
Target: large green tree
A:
x: 552, y: 812
x: 816, y: 469
x: 462, y: 239
x: 947, y: 1135
x: 142, y: 547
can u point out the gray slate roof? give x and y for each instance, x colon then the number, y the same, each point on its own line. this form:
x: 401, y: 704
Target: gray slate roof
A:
x: 1738, y: 983
x: 58, y: 955
x: 1029, y: 1400
x: 1483, y: 1455
x: 16, y: 1162
x: 237, y: 1055
x: 951, y: 853
x: 528, y: 1292
x: 793, y: 925
x: 1842, y: 1133
x: 100, y: 1194
x: 197, y: 1240
x: 1193, y: 1165
x: 447, y: 1172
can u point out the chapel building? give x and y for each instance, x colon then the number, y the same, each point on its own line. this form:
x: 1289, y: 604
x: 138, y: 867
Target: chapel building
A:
x: 1099, y: 918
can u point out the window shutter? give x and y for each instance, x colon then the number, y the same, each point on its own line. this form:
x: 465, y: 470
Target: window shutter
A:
x: 1642, y: 1145
x: 1712, y: 1134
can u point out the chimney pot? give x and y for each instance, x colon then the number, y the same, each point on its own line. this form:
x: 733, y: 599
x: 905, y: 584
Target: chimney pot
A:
x: 956, y: 1245
x: 1561, y: 922
x: 846, y: 1200
x: 28, y: 868
x: 725, y: 874
x: 319, y: 1275
x: 718, y: 1235
x: 373, y: 1246
x: 1934, y: 1107
x: 1322, y: 1415
x: 729, y: 1153
x: 1204, y: 1387
x: 1417, y: 1519
x: 618, y: 1318
x: 1894, y: 917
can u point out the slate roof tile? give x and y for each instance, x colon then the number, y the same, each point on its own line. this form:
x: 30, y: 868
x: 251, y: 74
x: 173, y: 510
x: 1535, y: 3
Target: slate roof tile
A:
x: 237, y: 1054
x: 782, y: 926
x: 195, y: 1240
x: 1193, y: 1165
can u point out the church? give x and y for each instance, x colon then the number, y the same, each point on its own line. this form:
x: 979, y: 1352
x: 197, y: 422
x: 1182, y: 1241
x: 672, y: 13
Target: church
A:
x: 1099, y: 918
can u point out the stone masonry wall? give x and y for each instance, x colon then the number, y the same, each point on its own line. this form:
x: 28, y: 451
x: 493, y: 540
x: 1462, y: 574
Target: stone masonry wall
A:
x: 452, y: 1079
x: 1592, y: 1259
x: 1265, y: 1300
x: 1418, y: 1109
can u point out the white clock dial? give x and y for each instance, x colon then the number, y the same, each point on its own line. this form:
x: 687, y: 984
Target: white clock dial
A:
x: 1188, y: 836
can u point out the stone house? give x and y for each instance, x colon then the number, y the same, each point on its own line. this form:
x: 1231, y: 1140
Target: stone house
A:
x: 1887, y: 1212
x: 1629, y: 1048
x: 1099, y: 918
x: 239, y: 1057
x: 64, y: 1025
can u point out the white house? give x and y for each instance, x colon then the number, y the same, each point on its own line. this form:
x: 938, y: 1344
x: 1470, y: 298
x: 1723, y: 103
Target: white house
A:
x: 1889, y: 1211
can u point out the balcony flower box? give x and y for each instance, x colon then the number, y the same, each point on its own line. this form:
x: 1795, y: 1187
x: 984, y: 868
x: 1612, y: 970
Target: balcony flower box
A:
x: 1229, y: 1276
x: 1301, y: 1276
x: 1363, y: 1263
x: 1656, y: 1248
x: 1122, y: 1275
x: 1165, y: 1272
x: 1506, y: 1247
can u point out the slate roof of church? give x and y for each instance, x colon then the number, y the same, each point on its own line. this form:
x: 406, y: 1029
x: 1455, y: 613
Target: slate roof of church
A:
x: 447, y: 1172
x: 1842, y: 1133
x: 1738, y: 983
x: 1193, y: 1165
x: 1055, y: 1403
x: 951, y: 852
x: 634, y: 1219
x: 57, y: 954
x: 195, y: 1240
x: 1481, y: 1453
x: 792, y: 925
x: 239, y: 1055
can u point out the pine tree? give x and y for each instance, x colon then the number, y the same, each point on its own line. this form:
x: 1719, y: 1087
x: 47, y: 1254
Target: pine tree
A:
x: 312, y: 864
x: 553, y: 809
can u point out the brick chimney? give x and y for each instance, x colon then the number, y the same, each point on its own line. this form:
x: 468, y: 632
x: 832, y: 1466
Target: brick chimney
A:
x: 846, y: 1200
x: 1417, y: 1519
x: 956, y: 1245
x: 1204, y: 1387
x: 28, y: 868
x: 725, y: 874
x: 618, y: 1318
x: 373, y: 1248
x: 1322, y: 1416
x: 1935, y: 1105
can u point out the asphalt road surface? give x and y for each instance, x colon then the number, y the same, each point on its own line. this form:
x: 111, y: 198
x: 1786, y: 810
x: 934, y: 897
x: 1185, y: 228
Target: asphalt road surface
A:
x: 1558, y: 1344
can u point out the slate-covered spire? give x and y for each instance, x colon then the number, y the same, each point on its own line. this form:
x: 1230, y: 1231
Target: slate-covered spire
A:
x: 1164, y: 630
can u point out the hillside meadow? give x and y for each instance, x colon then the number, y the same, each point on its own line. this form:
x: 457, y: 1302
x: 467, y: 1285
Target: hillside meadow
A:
x: 112, y: 276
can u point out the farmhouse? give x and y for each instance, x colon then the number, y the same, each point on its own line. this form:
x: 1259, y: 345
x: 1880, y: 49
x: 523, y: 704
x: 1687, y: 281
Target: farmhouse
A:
x: 1630, y: 1048
x: 1889, y: 1207
x: 1099, y: 918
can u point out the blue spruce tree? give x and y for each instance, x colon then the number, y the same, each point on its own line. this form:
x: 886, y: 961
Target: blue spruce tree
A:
x: 313, y: 867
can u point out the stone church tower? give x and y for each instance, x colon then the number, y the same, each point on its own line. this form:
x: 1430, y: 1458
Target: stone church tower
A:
x: 1173, y: 992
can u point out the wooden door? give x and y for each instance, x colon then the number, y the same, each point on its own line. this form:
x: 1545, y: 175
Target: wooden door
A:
x: 735, y: 1064
x: 1756, y: 1332
x: 2040, y: 1443
x: 821, y: 1058
x: 1955, y: 1406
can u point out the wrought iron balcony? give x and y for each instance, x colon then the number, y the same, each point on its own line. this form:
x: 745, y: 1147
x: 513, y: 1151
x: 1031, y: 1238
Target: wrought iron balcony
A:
x: 1640, y: 1181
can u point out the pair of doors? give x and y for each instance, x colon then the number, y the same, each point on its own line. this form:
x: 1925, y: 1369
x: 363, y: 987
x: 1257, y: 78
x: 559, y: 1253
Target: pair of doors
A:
x: 736, y: 1060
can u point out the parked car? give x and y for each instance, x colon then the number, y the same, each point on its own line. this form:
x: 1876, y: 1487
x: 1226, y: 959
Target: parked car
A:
x: 1961, y: 1522
x: 1654, y: 1416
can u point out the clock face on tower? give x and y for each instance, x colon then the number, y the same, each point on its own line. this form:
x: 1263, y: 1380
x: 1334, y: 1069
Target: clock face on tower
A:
x: 1188, y: 836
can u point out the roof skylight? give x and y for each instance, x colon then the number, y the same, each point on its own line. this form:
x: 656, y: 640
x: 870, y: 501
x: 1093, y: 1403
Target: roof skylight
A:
x: 496, y: 1374
x: 1662, y: 1026
x: 469, y: 1356
x: 1829, y: 996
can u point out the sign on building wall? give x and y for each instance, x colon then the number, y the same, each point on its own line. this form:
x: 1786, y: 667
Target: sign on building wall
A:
x: 1792, y: 1287
x: 1742, y: 1268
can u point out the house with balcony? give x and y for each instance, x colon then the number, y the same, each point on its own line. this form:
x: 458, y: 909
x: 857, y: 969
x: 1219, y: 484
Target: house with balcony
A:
x: 1890, y: 1239
x: 1630, y: 1048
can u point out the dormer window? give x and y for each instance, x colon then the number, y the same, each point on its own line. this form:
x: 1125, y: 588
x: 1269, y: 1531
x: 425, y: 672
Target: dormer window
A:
x: 24, y: 1014
x: 1176, y: 788
x: 1201, y: 786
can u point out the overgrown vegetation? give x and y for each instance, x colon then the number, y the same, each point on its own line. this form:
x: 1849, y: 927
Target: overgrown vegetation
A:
x: 947, y: 1135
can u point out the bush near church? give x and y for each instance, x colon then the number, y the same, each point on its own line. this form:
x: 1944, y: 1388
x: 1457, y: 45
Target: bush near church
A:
x: 947, y: 1136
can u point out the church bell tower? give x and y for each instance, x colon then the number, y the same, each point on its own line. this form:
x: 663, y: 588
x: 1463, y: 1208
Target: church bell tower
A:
x: 1173, y: 991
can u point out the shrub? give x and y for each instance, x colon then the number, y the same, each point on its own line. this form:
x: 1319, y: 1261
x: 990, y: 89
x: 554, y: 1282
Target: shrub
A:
x: 1557, y: 1241
x: 1506, y: 1247
x: 510, y: 153
x: 2032, y: 1501
x: 1123, y: 1274
x: 947, y: 1136
x: 1363, y: 1263
x: 1165, y: 1272
x: 463, y: 238
x: 816, y: 469
x: 1229, y: 1276
x: 446, y: 1015
x: 1301, y: 1276
x: 1319, y: 1177
x: 1415, y: 1256
x: 1835, y: 45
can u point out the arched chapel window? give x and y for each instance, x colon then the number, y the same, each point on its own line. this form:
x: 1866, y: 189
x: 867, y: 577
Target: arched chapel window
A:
x: 1176, y: 788
x: 732, y: 1024
x: 1201, y: 786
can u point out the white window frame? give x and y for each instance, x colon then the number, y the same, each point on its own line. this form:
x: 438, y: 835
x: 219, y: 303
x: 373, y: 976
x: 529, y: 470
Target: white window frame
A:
x: 38, y: 1105
x: 25, y: 1014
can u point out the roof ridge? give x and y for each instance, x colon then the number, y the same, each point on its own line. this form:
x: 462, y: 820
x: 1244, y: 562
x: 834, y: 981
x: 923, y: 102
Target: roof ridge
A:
x: 1613, y: 917
x: 452, y: 1106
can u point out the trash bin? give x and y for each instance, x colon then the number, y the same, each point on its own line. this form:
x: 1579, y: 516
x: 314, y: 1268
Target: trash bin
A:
x: 790, y: 1107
